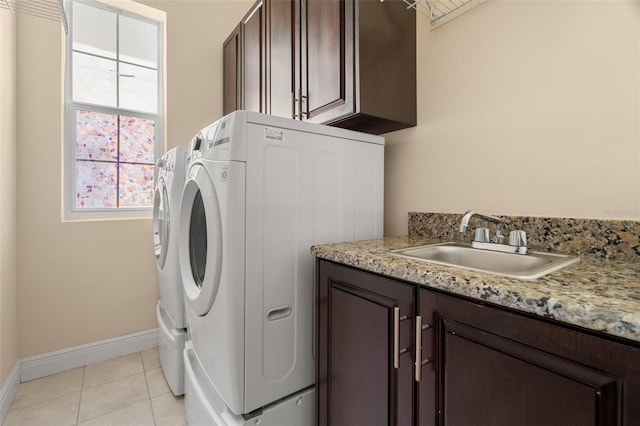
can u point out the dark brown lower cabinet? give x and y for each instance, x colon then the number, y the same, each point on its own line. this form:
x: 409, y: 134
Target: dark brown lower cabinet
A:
x: 471, y: 363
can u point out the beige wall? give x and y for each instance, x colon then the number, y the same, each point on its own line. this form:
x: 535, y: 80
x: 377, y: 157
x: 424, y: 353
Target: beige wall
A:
x: 8, y: 235
x: 524, y: 108
x: 85, y: 281
x: 196, y: 31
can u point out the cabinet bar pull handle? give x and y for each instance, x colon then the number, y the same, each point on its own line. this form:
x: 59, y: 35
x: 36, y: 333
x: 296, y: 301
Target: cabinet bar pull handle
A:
x: 293, y: 106
x: 304, y: 112
x: 396, y: 337
x: 300, y: 99
x: 418, y: 363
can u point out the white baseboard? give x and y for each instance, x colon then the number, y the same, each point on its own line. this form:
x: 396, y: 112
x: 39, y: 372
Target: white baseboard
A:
x: 8, y: 390
x: 35, y: 367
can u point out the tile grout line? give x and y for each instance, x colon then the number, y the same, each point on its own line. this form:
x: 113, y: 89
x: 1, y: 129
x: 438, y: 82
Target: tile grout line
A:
x: 146, y: 381
x: 47, y: 399
x: 84, y: 370
x: 108, y: 382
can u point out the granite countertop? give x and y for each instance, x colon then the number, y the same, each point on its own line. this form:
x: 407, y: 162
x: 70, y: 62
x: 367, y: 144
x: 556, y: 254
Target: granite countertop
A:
x: 597, y: 294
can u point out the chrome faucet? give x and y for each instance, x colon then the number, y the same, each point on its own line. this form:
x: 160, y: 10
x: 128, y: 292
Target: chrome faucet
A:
x: 517, y: 239
x: 468, y: 215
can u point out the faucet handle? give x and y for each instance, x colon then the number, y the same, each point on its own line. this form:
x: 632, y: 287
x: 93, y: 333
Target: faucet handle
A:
x: 481, y: 235
x: 518, y: 238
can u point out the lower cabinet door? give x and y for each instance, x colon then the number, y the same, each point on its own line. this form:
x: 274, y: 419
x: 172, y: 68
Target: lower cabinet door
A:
x: 497, y: 367
x: 365, y: 366
x: 489, y: 380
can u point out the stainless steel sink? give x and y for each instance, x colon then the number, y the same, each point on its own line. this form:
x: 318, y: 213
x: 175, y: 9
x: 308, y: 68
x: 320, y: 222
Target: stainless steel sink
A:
x: 522, y: 266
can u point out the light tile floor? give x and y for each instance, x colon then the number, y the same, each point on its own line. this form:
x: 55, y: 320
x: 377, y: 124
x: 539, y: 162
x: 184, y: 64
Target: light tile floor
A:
x: 130, y: 390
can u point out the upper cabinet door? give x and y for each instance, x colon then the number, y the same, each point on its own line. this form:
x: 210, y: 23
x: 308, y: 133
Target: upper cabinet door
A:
x: 232, y: 72
x: 253, y: 58
x: 283, y: 19
x: 327, y: 44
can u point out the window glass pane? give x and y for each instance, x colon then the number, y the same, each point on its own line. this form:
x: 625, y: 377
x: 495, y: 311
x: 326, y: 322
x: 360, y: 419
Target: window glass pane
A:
x: 94, y: 30
x: 96, y: 136
x: 138, y: 42
x: 94, y: 80
x: 115, y: 65
x: 137, y: 140
x: 95, y: 184
x: 136, y: 185
x: 138, y: 88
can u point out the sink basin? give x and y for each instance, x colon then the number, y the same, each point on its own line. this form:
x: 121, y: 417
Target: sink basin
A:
x: 522, y: 266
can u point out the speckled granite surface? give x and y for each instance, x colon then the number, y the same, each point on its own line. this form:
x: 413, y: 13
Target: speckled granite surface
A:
x: 604, y: 239
x: 594, y: 293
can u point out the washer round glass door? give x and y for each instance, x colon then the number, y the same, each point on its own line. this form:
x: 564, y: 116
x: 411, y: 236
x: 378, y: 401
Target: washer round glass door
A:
x: 200, y: 240
x: 161, y: 222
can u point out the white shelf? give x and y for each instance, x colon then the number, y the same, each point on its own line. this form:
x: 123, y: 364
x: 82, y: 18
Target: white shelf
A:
x: 442, y: 11
x: 47, y: 9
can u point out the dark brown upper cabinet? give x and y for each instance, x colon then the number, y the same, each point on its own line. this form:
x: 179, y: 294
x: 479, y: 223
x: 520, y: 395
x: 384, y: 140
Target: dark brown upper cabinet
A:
x: 348, y: 63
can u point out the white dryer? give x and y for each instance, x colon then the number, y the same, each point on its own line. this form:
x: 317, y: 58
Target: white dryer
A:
x: 170, y: 310
x: 262, y: 192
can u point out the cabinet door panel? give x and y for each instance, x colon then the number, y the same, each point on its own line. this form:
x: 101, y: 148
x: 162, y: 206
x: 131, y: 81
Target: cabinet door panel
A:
x: 253, y: 59
x: 281, y: 67
x: 359, y: 350
x: 487, y: 380
x: 325, y: 43
x: 356, y: 381
x: 232, y: 97
x: 493, y: 366
x: 328, y: 62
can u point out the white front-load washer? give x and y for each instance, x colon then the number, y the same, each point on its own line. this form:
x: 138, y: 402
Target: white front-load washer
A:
x: 170, y: 310
x: 263, y: 190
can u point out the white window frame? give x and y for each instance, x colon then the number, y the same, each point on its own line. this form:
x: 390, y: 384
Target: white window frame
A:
x: 137, y: 11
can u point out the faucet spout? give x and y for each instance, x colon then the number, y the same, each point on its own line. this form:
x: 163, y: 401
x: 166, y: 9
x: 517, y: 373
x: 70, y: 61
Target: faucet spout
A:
x: 468, y: 215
